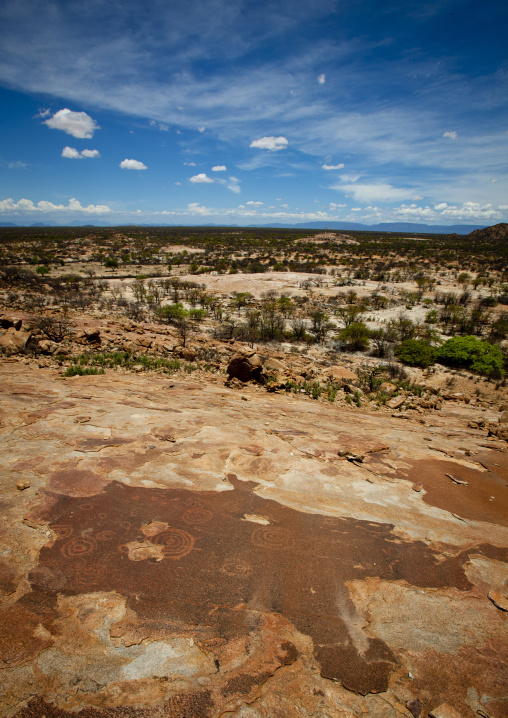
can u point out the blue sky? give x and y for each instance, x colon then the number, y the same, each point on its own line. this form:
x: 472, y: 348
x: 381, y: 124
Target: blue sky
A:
x: 242, y: 112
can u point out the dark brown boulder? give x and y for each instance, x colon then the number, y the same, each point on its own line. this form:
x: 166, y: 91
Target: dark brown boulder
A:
x: 245, y: 368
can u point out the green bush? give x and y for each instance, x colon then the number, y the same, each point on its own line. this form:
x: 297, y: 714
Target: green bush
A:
x: 80, y: 371
x: 472, y: 353
x: 415, y: 352
x: 355, y: 336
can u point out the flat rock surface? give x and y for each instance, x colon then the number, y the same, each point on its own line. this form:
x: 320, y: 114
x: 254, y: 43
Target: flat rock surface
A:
x: 182, y: 552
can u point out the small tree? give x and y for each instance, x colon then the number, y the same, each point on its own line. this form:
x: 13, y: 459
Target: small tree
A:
x: 350, y: 313
x: 415, y: 352
x: 382, y: 340
x: 355, y: 336
x: 320, y: 324
x: 55, y: 328
x: 179, y: 317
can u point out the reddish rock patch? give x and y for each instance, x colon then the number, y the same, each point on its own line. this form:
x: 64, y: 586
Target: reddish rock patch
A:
x: 186, y: 705
x: 76, y: 482
x: 216, y: 568
x: 485, y: 497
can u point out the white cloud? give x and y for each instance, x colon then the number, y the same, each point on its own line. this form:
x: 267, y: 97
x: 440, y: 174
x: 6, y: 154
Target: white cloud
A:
x: 412, y: 211
x: 72, y: 154
x: 440, y: 206
x: 43, y: 113
x: 254, y: 204
x: 201, y: 129
x: 26, y: 205
x: 503, y: 206
x: 77, y: 124
x: 132, y: 165
x: 322, y: 78
x: 234, y: 185
x: 493, y: 181
x: 190, y: 164
x: 270, y: 143
x: 452, y: 135
x: 196, y: 208
x: 473, y: 211
x: 219, y: 168
x: 178, y: 184
x: 201, y: 178
x: 333, y: 167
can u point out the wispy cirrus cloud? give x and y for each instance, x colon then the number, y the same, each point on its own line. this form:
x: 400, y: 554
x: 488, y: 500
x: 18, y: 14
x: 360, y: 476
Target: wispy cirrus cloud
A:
x: 376, y: 192
x: 383, y: 105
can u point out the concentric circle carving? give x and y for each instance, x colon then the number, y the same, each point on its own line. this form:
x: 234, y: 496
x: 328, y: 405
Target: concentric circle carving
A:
x: 176, y: 543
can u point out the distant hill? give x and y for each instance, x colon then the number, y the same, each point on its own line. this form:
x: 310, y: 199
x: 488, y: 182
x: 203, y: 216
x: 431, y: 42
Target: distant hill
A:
x: 398, y: 227
x: 496, y: 232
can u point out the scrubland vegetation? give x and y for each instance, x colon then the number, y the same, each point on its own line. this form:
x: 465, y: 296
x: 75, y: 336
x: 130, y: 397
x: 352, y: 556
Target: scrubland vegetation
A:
x: 420, y: 302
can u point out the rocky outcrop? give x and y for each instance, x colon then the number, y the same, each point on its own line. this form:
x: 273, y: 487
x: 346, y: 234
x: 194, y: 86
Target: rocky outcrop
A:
x: 246, y: 367
x: 14, y: 342
x: 341, y: 375
x: 6, y: 322
x: 88, y: 336
x: 496, y: 232
x: 499, y: 429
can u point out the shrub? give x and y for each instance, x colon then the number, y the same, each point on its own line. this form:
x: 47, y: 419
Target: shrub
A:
x: 80, y: 371
x: 415, y: 352
x: 355, y: 336
x: 472, y: 353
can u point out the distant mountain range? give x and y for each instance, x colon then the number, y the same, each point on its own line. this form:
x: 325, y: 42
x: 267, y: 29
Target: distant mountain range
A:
x: 408, y: 227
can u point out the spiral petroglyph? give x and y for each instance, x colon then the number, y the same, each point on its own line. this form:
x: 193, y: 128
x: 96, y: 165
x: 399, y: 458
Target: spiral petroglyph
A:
x: 90, y: 574
x: 105, y: 535
x: 272, y: 537
x: 63, y: 530
x: 176, y: 543
x: 197, y: 516
x: 236, y: 567
x: 78, y: 546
